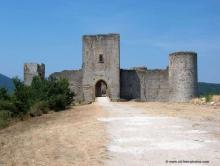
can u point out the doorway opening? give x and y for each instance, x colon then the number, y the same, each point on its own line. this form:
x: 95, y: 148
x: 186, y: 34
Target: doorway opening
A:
x: 101, y: 89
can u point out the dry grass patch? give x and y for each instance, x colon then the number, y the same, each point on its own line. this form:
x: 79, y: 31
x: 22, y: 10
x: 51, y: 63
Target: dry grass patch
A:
x: 207, y: 100
x: 216, y: 98
x: 72, y: 137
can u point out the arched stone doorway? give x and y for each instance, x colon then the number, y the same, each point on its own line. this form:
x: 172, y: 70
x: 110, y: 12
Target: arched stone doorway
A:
x: 101, y: 89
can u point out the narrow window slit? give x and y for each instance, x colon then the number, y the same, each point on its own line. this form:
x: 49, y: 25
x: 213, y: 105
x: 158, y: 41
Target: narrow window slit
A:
x: 101, y: 58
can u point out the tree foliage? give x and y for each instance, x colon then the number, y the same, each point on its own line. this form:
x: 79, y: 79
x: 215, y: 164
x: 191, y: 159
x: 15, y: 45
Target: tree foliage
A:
x: 4, y: 94
x: 38, y: 98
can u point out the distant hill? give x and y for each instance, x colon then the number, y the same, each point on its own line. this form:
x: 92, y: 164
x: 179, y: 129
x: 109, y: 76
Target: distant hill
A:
x: 208, y: 88
x: 6, y: 82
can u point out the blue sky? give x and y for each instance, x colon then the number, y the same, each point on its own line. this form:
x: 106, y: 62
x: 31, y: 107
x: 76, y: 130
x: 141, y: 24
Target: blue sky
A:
x: 50, y: 31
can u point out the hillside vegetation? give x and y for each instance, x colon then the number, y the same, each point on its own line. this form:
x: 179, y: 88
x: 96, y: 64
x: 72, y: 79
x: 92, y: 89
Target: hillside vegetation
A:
x: 208, y: 88
x: 34, y: 100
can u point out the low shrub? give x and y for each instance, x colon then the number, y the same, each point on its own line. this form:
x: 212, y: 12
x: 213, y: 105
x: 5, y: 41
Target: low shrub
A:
x: 208, y: 98
x: 7, y: 105
x: 57, y: 103
x: 4, y: 94
x: 39, y: 108
x: 4, y: 118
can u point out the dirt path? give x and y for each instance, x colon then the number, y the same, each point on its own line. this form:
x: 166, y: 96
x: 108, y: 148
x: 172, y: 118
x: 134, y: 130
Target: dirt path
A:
x: 139, y: 138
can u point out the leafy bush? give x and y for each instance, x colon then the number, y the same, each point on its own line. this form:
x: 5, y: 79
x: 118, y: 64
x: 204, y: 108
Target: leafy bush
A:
x: 4, y: 118
x: 6, y: 101
x: 39, y: 90
x: 39, y: 108
x: 36, y: 99
x: 4, y: 94
x: 59, y: 94
x: 57, y: 103
x: 55, y: 93
x: 7, y: 105
x: 21, y: 97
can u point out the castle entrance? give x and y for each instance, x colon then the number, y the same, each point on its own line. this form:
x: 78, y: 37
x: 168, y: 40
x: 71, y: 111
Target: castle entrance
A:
x: 101, y: 89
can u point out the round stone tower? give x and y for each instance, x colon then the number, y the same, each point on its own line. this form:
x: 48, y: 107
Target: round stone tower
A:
x: 183, y: 78
x: 31, y: 70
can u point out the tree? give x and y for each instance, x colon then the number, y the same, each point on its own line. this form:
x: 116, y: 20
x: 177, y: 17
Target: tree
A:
x: 4, y: 94
x: 21, y: 97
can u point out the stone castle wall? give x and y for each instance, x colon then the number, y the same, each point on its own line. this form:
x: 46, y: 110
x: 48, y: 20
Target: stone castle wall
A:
x: 101, y: 62
x: 75, y: 80
x: 145, y: 85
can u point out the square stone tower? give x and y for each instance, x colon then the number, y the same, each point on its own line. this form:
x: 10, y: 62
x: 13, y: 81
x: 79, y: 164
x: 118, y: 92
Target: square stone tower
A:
x: 101, y: 66
x: 32, y: 70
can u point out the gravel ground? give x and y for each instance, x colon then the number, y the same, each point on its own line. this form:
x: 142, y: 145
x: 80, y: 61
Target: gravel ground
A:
x: 139, y: 136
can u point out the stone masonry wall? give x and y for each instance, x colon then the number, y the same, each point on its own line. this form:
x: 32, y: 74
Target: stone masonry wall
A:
x: 108, y: 69
x: 183, y: 79
x: 75, y: 80
x: 101, y: 62
x: 32, y: 70
x: 145, y: 85
x: 130, y: 84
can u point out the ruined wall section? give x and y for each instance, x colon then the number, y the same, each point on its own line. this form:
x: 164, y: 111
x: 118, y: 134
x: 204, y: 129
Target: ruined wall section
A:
x: 32, y: 70
x: 130, y: 84
x: 145, y: 85
x: 75, y: 80
x: 183, y: 79
x: 94, y: 70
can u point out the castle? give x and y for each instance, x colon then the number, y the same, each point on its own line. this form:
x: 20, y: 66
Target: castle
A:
x: 101, y: 74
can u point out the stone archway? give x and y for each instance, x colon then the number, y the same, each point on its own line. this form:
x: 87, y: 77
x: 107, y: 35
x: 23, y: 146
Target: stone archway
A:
x: 101, y: 89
